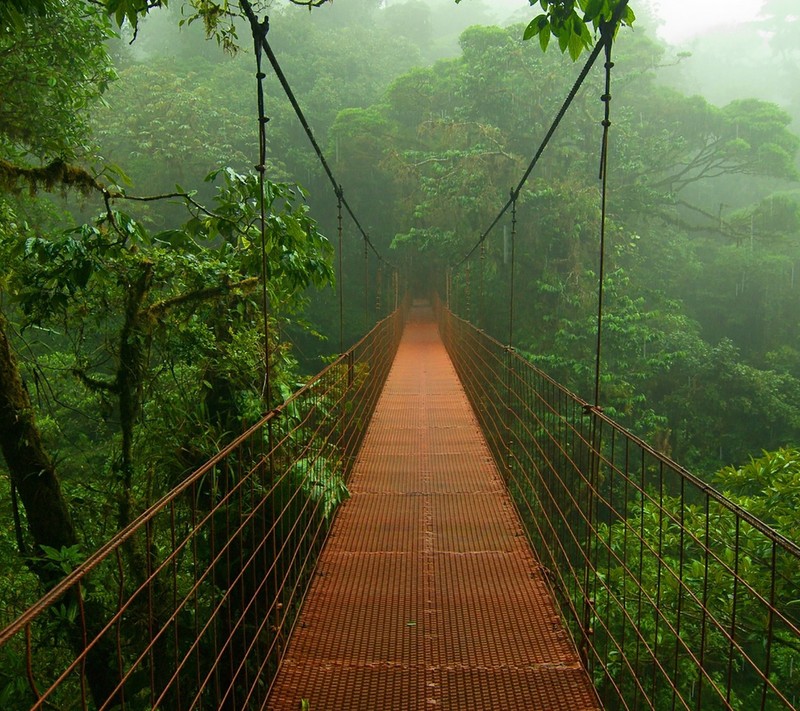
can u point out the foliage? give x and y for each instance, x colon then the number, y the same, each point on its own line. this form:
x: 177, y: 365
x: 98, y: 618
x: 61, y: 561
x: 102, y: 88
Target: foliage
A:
x: 155, y: 349
x: 14, y: 13
x: 449, y: 139
x: 745, y: 137
x: 55, y: 67
x: 194, y: 119
x: 151, y: 347
x: 139, y: 340
x: 321, y: 484
x: 674, y: 534
x: 768, y: 487
x: 568, y: 21
x: 701, y: 352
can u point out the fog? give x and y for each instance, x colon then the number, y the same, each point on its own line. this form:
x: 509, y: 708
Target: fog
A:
x: 734, y: 49
x: 166, y: 279
x: 428, y: 113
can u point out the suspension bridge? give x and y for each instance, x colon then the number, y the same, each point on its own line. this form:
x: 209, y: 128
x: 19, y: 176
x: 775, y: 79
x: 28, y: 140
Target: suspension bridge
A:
x: 504, y: 545
x: 427, y: 591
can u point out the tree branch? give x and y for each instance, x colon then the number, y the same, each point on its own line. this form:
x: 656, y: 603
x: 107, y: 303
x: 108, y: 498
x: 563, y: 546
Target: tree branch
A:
x: 65, y: 175
x: 187, y: 197
x: 95, y: 384
x: 57, y: 173
x: 309, y: 3
x: 160, y: 307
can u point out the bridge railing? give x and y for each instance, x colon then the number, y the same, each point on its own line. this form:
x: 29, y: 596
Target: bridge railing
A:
x: 191, y: 605
x: 676, y: 597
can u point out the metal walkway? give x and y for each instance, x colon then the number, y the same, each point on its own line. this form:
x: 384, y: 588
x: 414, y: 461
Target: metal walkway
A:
x: 427, y: 595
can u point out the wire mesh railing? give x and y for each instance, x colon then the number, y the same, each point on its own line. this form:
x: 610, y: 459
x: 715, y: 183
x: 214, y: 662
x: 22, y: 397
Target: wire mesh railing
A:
x: 191, y: 605
x: 676, y: 597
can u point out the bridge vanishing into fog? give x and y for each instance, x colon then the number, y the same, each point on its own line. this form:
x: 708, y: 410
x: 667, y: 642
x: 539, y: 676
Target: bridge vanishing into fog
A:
x: 427, y: 594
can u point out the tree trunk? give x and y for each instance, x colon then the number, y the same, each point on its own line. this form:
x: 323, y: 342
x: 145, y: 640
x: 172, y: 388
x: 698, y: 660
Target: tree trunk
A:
x: 130, y: 372
x: 31, y: 471
x: 34, y: 476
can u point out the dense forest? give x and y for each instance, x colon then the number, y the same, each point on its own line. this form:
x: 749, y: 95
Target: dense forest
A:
x: 130, y: 339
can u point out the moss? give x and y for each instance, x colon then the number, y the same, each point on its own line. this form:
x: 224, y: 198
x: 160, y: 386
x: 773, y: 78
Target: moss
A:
x: 57, y: 174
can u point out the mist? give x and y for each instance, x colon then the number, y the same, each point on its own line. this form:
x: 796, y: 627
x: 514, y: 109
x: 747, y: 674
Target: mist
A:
x: 178, y: 260
x: 427, y: 115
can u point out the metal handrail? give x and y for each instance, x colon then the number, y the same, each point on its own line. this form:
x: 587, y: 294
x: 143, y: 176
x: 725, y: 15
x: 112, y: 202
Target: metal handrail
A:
x: 224, y: 558
x: 676, y: 596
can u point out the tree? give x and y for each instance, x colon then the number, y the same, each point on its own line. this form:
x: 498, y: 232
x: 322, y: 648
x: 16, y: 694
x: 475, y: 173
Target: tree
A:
x: 768, y: 487
x: 75, y: 281
x: 109, y: 273
x: 55, y: 66
x: 169, y: 125
x: 162, y: 331
x: 451, y: 139
x: 30, y: 468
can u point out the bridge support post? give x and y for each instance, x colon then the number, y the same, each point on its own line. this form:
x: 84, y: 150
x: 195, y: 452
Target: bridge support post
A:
x: 508, y: 366
x: 589, y: 581
x: 467, y: 294
x: 448, y: 287
x: 350, y: 370
x: 378, y: 290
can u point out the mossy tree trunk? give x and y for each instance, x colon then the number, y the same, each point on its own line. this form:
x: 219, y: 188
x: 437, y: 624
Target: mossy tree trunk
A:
x: 30, y: 468
x: 34, y: 476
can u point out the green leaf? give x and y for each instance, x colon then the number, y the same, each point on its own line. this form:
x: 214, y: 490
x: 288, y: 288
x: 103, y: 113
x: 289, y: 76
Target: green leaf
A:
x: 563, y: 40
x: 531, y: 30
x: 133, y: 16
x: 535, y: 26
x: 575, y: 46
x: 50, y: 552
x: 593, y: 9
x: 544, y: 40
x: 586, y: 36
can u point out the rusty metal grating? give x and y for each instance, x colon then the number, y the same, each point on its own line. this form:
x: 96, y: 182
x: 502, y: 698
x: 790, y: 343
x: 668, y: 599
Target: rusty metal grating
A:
x: 427, y: 595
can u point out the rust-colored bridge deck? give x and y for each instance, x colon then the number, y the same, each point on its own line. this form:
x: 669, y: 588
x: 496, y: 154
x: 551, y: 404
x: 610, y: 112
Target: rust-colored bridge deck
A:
x: 427, y: 595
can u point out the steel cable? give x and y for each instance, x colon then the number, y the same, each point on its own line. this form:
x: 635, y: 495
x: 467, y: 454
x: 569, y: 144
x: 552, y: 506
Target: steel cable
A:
x: 605, y: 38
x: 284, y: 82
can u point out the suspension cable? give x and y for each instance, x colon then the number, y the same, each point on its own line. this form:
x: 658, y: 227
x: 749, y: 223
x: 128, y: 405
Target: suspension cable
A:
x: 260, y: 30
x: 607, y: 31
x: 511, y: 285
x: 307, y: 128
x: 467, y: 293
x: 340, y: 276
x: 378, y: 291
x: 448, y: 286
x: 480, y: 317
x: 366, y: 286
x: 606, y: 99
x: 606, y: 38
